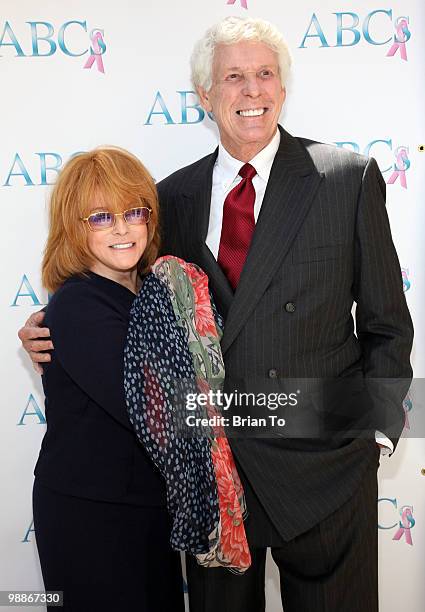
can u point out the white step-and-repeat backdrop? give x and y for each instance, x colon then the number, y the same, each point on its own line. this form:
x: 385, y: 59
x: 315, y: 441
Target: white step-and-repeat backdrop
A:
x: 78, y: 74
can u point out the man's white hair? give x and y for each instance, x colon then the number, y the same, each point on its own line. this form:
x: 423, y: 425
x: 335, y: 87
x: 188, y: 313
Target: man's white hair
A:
x: 232, y: 30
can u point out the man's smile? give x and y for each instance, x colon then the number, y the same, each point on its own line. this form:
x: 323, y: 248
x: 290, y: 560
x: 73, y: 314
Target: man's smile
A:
x: 252, y: 112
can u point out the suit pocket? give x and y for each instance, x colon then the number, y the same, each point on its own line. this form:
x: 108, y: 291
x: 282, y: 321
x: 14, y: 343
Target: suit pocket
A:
x: 318, y: 253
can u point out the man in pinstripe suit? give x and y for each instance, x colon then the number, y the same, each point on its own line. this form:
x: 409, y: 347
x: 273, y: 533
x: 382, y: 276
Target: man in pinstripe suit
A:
x: 321, y: 241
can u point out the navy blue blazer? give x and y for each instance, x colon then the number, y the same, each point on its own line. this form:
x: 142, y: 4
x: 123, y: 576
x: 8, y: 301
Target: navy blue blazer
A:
x: 90, y: 449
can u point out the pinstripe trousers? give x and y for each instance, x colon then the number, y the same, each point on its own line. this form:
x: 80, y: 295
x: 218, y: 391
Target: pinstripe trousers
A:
x: 332, y: 567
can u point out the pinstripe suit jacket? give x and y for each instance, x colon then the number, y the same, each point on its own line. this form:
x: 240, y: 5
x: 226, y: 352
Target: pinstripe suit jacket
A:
x: 322, y: 241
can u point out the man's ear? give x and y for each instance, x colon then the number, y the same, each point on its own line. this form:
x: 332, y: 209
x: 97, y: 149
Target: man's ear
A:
x: 204, y: 99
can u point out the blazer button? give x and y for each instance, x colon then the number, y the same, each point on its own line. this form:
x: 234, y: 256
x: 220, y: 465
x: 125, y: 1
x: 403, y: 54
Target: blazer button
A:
x: 290, y: 307
x: 272, y: 373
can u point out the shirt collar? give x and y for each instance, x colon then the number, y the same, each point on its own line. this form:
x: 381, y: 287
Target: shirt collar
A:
x: 262, y: 162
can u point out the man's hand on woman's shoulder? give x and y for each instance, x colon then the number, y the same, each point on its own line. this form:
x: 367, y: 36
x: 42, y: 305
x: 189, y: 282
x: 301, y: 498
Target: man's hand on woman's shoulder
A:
x: 31, y: 336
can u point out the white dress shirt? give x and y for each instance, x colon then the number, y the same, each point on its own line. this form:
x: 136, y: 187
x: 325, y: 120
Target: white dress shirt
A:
x: 225, y: 178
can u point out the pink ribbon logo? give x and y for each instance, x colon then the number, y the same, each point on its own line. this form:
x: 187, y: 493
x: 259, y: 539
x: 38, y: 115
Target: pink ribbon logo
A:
x: 405, y: 279
x: 406, y: 523
x: 400, y: 38
x: 402, y: 164
x: 97, y: 50
x: 407, y: 406
x: 243, y: 3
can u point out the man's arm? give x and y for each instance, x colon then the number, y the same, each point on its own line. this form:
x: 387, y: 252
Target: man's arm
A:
x: 383, y: 324
x: 31, y: 336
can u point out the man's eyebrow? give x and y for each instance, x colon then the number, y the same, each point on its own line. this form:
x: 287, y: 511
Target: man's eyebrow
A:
x: 259, y: 68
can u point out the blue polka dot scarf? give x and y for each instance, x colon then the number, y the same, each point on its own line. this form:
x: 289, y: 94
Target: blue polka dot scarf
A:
x: 172, y: 353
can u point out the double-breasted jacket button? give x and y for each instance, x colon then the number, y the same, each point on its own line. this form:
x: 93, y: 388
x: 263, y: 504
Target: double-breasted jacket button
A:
x: 272, y: 373
x: 290, y: 307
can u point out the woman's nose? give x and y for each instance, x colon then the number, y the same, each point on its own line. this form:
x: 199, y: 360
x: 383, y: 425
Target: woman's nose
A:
x: 120, y: 227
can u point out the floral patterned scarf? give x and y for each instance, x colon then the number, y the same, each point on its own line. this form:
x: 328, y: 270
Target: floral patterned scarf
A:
x: 173, y: 349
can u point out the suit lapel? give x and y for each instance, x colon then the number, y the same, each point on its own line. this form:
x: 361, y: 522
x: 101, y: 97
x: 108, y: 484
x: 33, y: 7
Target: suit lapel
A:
x: 290, y: 190
x: 193, y: 218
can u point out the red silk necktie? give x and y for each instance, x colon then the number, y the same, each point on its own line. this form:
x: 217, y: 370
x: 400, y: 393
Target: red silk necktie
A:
x: 238, y: 226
